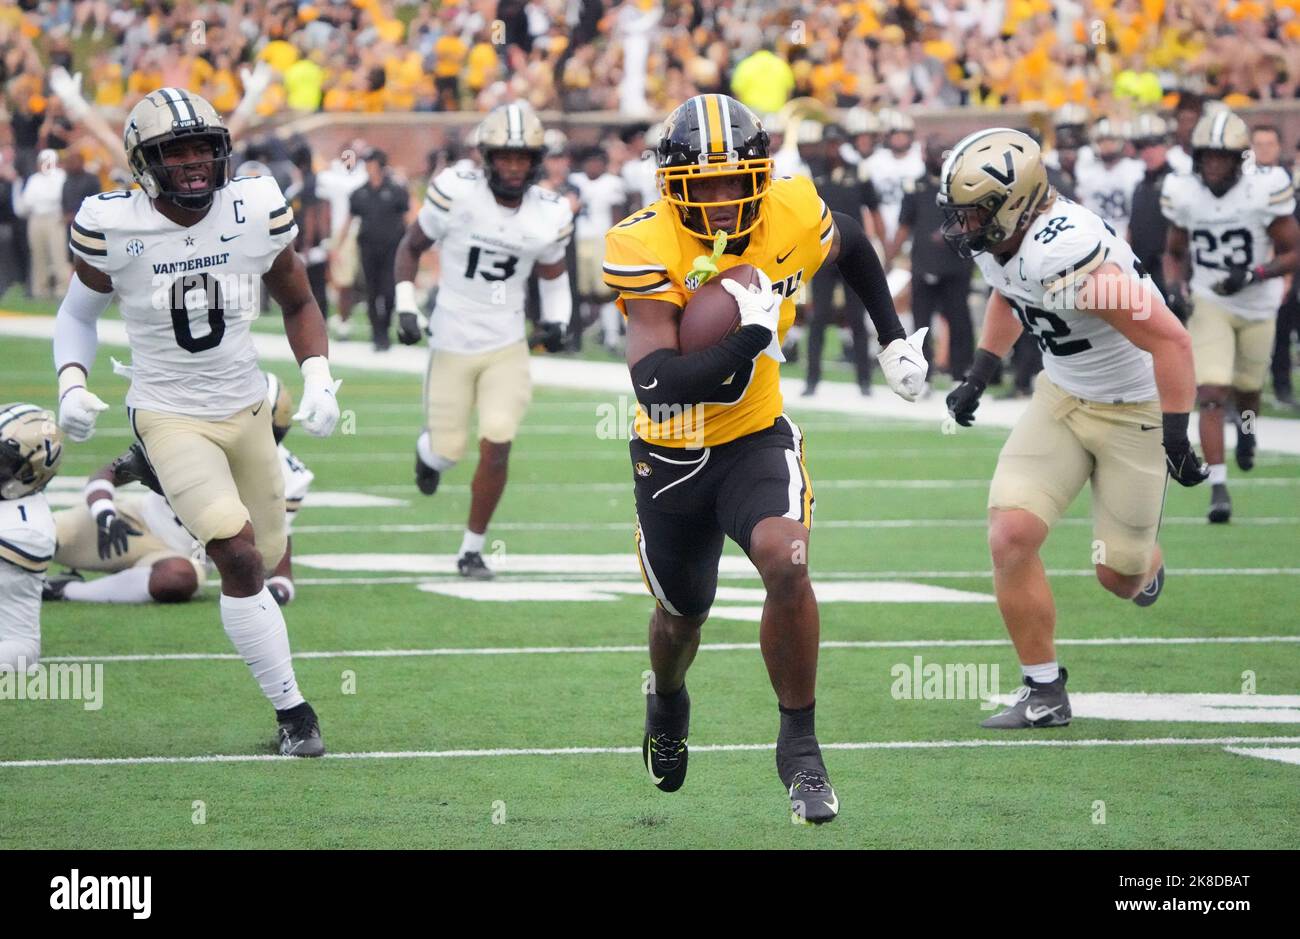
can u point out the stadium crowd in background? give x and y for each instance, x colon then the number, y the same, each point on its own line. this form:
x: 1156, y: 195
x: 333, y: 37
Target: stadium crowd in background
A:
x: 644, y: 55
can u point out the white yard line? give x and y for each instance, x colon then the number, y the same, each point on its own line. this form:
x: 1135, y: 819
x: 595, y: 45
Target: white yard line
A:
x: 627, y: 751
x: 869, y: 523
x: 1275, y: 434
x: 705, y: 647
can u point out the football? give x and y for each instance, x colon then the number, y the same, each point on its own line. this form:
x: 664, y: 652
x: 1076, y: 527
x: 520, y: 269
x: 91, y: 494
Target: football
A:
x: 711, y: 314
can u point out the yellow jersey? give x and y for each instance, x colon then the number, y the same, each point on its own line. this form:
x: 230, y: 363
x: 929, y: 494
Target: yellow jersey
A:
x: 650, y: 255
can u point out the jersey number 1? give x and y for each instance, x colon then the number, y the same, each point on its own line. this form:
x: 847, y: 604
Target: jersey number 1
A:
x: 184, y: 287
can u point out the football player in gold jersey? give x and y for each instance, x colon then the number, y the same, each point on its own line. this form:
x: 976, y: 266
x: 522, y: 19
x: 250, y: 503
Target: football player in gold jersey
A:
x: 713, y: 454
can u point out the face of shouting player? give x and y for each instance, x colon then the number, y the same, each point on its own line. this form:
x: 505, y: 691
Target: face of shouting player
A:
x: 189, y: 162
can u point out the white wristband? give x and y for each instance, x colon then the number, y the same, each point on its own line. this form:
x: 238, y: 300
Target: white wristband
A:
x: 102, y: 506
x: 404, y: 297
x: 71, y: 377
x: 316, y: 369
x: 286, y: 583
x: 99, y: 485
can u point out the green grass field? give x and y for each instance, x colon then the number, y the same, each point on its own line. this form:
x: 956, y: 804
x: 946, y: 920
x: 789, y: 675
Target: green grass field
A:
x: 898, y: 503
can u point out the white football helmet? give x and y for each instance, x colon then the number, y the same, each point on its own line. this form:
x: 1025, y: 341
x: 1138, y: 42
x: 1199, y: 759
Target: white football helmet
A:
x: 992, y: 185
x: 510, y: 128
x: 31, y: 448
x: 165, y: 116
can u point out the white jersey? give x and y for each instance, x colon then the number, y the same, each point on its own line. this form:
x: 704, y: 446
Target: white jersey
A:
x: 487, y: 253
x: 888, y: 173
x: 26, y: 548
x: 1231, y: 230
x: 188, y: 296
x: 790, y: 163
x: 1179, y: 160
x: 1108, y: 190
x: 336, y: 184
x: 600, y: 197
x: 1082, y: 353
x: 639, y: 179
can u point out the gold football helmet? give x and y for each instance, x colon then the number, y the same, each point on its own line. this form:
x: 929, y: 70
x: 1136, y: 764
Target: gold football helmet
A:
x: 165, y: 116
x: 31, y: 448
x: 992, y: 185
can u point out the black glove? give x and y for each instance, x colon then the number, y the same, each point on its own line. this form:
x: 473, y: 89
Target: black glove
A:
x: 963, y: 400
x: 1239, y: 276
x: 409, y: 329
x: 113, y: 533
x: 1178, y: 301
x: 548, y: 336
x: 133, y: 467
x: 1184, y: 465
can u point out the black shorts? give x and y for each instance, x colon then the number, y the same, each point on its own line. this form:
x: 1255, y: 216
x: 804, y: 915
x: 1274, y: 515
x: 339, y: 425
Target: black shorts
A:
x: 687, y: 500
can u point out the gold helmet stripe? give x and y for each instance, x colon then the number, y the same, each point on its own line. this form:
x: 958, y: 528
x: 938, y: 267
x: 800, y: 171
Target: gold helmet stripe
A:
x: 713, y: 113
x: 726, y: 121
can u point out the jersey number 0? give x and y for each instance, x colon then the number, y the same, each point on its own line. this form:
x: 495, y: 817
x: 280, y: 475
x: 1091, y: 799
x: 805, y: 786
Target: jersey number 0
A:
x: 183, y: 288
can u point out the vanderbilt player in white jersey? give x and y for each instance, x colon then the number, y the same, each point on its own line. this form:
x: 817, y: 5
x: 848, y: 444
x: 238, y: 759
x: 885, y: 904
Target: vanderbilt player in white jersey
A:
x: 137, y: 540
x: 1232, y: 239
x: 1105, y: 183
x: 31, y: 449
x: 893, y: 166
x: 493, y: 227
x: 1117, y: 369
x: 185, y: 255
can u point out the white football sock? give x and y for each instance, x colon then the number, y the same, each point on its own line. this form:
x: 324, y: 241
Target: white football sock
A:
x: 1047, y: 671
x: 429, y: 458
x: 1219, y: 474
x: 256, y: 627
x: 472, y: 542
x: 128, y: 586
x: 609, y: 317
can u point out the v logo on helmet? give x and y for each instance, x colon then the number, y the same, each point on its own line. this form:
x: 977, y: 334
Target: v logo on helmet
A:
x: 1006, y: 178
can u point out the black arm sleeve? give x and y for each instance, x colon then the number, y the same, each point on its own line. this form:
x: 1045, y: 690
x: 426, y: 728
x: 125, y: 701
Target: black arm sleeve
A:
x: 665, y: 377
x: 861, y: 270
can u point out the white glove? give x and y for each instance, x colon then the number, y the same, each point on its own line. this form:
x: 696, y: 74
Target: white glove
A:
x: 67, y: 88
x: 904, y: 365
x: 78, y: 409
x: 255, y: 82
x: 319, y: 410
x: 758, y: 305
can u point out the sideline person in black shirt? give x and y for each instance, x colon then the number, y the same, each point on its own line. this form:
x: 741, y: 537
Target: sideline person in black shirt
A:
x: 381, y: 205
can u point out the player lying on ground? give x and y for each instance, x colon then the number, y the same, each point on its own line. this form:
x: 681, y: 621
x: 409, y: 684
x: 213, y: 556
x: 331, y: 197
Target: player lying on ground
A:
x: 1117, y: 373
x: 493, y: 228
x: 137, y: 540
x: 713, y: 455
x: 186, y: 255
x: 31, y: 449
x: 1234, y: 237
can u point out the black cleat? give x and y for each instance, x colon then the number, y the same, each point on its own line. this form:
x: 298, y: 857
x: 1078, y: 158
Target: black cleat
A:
x: 799, y: 764
x: 52, y: 589
x: 470, y: 564
x: 1036, y: 705
x: 133, y: 466
x: 663, y: 749
x: 300, y: 732
x: 1220, y: 505
x: 426, y: 477
x: 1151, y: 592
x: 1245, y: 451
